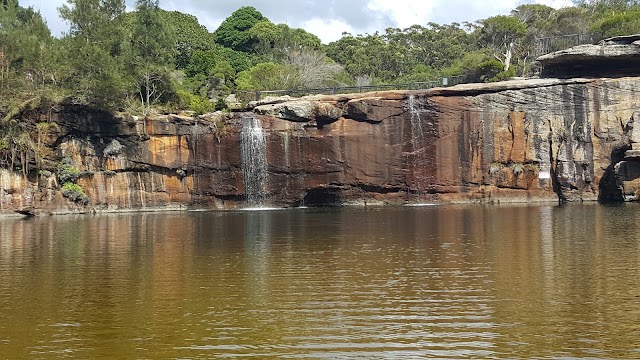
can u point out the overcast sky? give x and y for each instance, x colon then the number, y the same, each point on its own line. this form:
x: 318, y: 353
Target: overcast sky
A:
x: 327, y: 19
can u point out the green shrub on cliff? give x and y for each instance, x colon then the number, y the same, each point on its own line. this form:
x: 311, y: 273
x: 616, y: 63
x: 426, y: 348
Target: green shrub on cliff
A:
x: 75, y: 193
x: 196, y: 103
x: 67, y: 175
x: 200, y: 105
x: 113, y: 149
x: 66, y: 171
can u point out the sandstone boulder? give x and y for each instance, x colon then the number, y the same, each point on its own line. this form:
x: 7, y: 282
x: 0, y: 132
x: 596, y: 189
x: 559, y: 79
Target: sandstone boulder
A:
x: 374, y: 109
x: 269, y: 100
x: 616, y: 56
x: 299, y: 111
x: 302, y: 111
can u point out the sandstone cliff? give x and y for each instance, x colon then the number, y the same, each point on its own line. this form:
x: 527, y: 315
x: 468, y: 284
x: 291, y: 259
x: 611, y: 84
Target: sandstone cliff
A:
x: 617, y: 56
x: 516, y: 141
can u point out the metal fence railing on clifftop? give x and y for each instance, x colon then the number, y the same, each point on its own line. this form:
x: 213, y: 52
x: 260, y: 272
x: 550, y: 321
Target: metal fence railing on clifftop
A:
x: 449, y: 81
x: 549, y: 44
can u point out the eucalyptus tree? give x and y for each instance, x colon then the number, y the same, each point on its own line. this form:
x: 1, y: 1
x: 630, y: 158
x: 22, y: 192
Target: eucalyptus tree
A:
x: 274, y: 42
x: 371, y: 56
x: 601, y: 6
x: 25, y: 47
x: 433, y: 45
x: 190, y: 36
x: 570, y: 20
x: 25, y: 43
x: 298, y: 52
x: 214, y: 71
x: 234, y: 30
x: 152, y: 52
x: 94, y: 49
x: 501, y: 33
x: 616, y: 23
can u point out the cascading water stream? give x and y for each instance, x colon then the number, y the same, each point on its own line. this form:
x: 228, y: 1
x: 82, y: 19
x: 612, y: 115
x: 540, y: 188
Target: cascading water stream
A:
x: 417, y: 133
x: 419, y: 158
x: 253, y: 152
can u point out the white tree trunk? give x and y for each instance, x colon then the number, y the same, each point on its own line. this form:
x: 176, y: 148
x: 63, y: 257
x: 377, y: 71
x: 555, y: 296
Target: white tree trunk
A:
x: 507, y: 57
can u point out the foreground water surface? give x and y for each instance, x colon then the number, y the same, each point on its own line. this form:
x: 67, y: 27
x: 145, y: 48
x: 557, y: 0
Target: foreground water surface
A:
x: 386, y: 283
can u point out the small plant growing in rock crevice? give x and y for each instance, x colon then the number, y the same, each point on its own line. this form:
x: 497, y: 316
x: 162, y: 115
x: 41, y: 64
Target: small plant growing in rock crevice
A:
x: 495, y: 168
x: 75, y: 193
x: 66, y: 172
x: 67, y: 175
x: 517, y: 168
x: 113, y: 149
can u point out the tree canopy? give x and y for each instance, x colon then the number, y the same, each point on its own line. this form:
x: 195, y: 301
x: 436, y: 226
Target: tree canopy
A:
x: 234, y: 32
x: 152, y: 58
x: 189, y: 34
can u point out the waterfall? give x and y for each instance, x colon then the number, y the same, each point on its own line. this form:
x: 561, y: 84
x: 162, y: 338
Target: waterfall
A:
x: 420, y: 160
x: 253, y: 152
x: 417, y: 133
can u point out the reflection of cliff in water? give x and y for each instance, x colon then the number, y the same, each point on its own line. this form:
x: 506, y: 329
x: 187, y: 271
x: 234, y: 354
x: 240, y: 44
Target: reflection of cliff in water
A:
x: 324, y: 283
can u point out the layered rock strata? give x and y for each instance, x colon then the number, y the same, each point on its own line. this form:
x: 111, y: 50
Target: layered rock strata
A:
x: 617, y: 56
x: 516, y: 141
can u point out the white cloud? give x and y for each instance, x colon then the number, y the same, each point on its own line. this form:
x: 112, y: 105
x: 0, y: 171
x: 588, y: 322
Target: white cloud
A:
x: 403, y: 13
x: 555, y: 3
x: 327, y: 18
x: 327, y: 30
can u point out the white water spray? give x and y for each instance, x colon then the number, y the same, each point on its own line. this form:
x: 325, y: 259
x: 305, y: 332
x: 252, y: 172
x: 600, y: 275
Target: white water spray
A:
x: 418, y: 142
x: 417, y: 133
x: 253, y: 152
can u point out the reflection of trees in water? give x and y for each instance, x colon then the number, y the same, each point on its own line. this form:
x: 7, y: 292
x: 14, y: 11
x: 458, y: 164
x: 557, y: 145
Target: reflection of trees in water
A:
x: 490, y: 280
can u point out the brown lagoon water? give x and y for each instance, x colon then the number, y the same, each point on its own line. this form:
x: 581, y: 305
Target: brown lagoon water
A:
x: 530, y: 282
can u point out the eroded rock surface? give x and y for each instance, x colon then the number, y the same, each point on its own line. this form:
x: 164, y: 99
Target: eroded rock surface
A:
x: 518, y: 141
x: 618, y: 56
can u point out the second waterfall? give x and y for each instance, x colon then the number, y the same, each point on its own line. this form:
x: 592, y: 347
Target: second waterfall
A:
x: 253, y: 151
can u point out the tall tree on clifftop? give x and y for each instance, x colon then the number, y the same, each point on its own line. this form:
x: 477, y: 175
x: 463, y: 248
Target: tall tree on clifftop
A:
x: 25, y: 45
x: 190, y: 35
x: 95, y: 21
x: 601, y: 6
x: 94, y: 48
x: 234, y: 30
x: 501, y: 33
x: 152, y: 45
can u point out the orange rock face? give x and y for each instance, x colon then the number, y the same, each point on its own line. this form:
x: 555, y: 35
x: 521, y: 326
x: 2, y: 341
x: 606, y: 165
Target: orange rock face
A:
x: 520, y: 141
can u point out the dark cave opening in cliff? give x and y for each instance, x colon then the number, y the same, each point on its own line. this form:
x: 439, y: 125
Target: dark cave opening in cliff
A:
x: 322, y: 197
x: 609, y: 189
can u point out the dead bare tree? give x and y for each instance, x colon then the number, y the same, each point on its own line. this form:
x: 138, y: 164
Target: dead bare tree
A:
x: 313, y: 69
